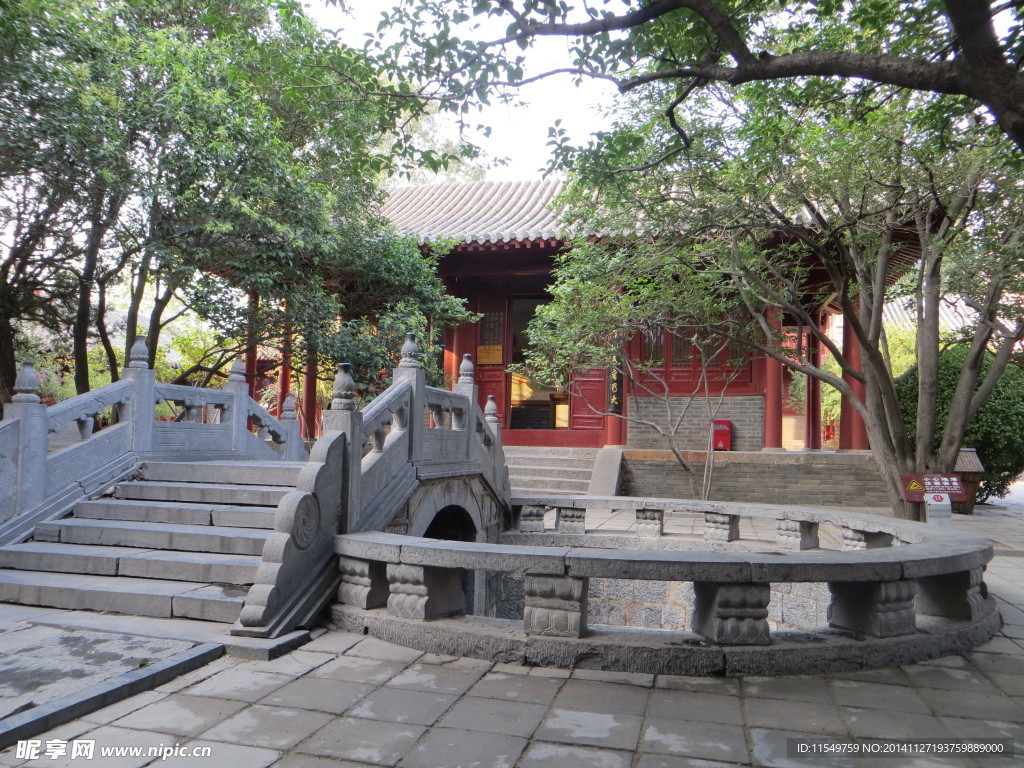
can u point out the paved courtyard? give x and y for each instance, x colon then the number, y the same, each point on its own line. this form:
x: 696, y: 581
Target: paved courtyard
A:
x: 345, y: 700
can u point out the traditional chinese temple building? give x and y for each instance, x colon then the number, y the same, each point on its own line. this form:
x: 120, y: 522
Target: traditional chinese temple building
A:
x: 507, y: 235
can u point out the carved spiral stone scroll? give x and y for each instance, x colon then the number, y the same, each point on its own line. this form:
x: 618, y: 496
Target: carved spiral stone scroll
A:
x: 301, y: 518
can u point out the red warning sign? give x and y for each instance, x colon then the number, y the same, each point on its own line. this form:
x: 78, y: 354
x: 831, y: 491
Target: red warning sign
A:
x: 917, y: 487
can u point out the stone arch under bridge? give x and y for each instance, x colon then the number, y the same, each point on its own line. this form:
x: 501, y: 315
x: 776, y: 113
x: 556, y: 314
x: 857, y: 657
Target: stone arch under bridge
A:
x: 458, y: 509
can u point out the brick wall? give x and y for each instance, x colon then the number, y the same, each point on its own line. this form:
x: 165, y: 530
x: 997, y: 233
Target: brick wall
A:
x: 746, y: 414
x: 812, y: 478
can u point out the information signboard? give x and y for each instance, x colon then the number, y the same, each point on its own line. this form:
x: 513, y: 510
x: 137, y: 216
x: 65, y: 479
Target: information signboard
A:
x: 917, y: 487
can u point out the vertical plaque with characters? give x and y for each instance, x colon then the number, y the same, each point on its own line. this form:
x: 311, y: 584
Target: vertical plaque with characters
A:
x: 615, y: 387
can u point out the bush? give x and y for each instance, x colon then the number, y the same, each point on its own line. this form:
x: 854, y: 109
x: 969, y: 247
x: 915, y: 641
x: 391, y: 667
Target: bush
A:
x: 997, y: 431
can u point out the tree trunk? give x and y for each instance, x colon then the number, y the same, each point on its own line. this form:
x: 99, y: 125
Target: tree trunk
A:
x: 101, y: 329
x: 8, y: 363
x: 131, y: 326
x: 156, y: 319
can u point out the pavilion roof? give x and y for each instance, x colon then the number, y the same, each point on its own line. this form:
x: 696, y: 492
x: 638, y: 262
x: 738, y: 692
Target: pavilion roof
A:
x: 477, y: 212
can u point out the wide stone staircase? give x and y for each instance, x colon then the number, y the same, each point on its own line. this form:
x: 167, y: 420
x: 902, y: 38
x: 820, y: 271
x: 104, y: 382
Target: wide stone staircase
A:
x: 556, y: 471
x: 179, y: 540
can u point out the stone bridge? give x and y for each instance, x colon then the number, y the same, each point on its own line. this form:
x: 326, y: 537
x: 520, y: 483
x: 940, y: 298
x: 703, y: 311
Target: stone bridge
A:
x: 220, y: 513
x: 401, y: 516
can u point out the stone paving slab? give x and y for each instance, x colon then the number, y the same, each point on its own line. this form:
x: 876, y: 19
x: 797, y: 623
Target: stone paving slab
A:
x: 40, y: 664
x: 347, y: 701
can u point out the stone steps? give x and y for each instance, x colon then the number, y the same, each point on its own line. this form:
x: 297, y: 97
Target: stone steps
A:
x: 185, y: 540
x: 201, y: 493
x: 218, y: 472
x: 130, y: 561
x: 125, y: 533
x: 119, y: 594
x: 550, y: 483
x: 180, y: 513
x: 566, y: 473
x: 543, y: 470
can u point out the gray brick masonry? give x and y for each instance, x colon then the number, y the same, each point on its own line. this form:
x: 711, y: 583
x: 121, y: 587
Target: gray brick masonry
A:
x: 745, y: 413
x: 813, y: 478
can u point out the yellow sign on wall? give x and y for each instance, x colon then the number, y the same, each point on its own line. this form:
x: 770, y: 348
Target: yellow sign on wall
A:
x: 489, y: 355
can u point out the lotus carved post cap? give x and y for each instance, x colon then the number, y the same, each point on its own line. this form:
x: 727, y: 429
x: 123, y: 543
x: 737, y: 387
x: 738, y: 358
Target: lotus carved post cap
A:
x: 288, y: 408
x: 138, y: 357
x: 344, y: 392
x: 410, y: 352
x: 237, y: 372
x: 466, y: 369
x: 491, y: 410
x: 26, y: 385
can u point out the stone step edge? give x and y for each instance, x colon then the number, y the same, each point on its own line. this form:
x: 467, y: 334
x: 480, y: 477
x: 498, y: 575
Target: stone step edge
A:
x: 213, y: 486
x: 140, y: 525
x: 66, y: 548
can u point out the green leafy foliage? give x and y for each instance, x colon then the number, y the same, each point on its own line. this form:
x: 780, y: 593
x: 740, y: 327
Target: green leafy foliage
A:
x: 197, y: 157
x: 949, y: 51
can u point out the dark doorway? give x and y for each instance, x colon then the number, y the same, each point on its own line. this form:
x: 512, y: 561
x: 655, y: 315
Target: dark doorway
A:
x: 454, y: 524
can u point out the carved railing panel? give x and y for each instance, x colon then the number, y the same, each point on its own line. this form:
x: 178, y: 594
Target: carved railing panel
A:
x: 84, y: 410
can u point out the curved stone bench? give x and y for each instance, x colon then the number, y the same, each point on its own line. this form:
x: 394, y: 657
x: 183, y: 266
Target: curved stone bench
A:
x: 900, y: 592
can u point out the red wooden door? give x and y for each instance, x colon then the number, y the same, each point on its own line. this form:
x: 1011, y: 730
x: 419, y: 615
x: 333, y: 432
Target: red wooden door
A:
x: 587, y: 407
x: 492, y: 352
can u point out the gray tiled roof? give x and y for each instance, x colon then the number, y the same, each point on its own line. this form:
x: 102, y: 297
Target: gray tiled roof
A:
x: 476, y: 212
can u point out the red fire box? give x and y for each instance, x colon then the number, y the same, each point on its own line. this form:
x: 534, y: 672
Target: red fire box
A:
x: 722, y: 438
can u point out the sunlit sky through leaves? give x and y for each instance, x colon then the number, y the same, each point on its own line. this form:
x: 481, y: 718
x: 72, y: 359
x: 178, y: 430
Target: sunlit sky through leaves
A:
x: 519, y: 133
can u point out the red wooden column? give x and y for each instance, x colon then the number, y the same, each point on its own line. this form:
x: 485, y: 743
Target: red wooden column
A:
x: 812, y: 406
x: 616, y: 428
x: 309, y: 410
x: 250, y: 344
x: 772, y: 404
x: 853, y: 435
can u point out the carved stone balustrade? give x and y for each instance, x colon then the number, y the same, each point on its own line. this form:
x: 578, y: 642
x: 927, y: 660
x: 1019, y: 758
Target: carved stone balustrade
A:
x: 650, y: 522
x: 569, y: 520
x: 732, y: 614
x: 531, y: 519
x: 918, y: 599
x: 555, y: 606
x: 796, y: 534
x: 721, y: 527
x: 879, y: 609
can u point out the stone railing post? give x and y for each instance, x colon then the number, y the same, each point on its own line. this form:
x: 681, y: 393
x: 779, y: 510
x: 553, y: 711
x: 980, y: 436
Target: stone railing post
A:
x: 650, y: 522
x: 424, y: 592
x: 957, y: 595
x: 796, y: 534
x: 555, y: 606
x: 238, y: 413
x: 570, y: 520
x: 409, y: 368
x: 294, y: 448
x: 342, y: 416
x: 364, y: 583
x: 731, y: 614
x: 466, y: 386
x: 531, y: 519
x: 33, y: 439
x: 876, y: 608
x: 491, y: 417
x: 721, y: 527
x: 140, y: 410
